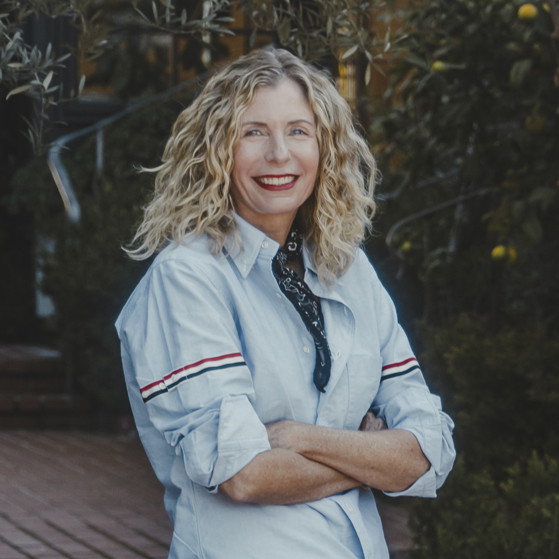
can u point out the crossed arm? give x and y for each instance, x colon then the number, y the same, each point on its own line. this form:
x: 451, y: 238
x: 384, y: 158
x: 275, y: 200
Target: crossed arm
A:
x: 309, y: 462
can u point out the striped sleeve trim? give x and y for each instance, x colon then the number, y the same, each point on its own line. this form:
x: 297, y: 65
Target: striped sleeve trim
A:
x: 398, y: 369
x: 175, y: 378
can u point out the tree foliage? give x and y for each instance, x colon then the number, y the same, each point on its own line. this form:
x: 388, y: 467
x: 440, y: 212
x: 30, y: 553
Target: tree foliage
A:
x: 468, y: 145
x: 469, y: 142
x: 335, y: 30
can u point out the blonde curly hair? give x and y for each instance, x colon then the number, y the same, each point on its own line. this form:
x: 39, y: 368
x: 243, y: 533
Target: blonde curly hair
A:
x: 193, y: 183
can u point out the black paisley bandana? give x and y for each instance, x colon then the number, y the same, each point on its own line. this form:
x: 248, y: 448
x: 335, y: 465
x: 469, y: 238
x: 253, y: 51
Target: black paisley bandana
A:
x: 306, y: 303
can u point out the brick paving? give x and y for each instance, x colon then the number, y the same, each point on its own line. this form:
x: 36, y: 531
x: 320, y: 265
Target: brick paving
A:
x: 80, y: 495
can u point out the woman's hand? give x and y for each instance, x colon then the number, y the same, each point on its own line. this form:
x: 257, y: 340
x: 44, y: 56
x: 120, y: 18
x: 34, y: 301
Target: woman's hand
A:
x: 372, y: 423
x: 286, y: 434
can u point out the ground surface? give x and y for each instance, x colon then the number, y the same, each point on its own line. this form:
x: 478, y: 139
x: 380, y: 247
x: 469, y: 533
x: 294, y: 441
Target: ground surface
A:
x: 78, y: 495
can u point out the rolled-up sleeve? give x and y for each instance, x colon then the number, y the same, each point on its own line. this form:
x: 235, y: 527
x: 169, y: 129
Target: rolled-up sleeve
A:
x: 186, y: 359
x: 405, y: 402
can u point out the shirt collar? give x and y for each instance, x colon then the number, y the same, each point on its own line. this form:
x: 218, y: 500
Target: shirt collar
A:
x: 248, y: 243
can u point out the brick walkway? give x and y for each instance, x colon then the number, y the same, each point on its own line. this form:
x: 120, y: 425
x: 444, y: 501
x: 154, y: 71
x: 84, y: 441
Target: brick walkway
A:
x: 87, y: 496
x: 78, y: 496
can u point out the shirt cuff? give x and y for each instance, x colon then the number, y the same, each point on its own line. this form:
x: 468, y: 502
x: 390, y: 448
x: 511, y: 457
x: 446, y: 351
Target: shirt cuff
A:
x: 433, y: 430
x: 424, y: 486
x: 241, y: 437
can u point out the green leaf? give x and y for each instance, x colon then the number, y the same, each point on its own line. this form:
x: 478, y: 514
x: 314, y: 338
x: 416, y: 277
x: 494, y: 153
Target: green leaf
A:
x: 81, y: 84
x: 284, y: 30
x: 532, y: 228
x: 519, y: 71
x: 252, y: 37
x: 368, y: 74
x: 17, y: 90
x: 349, y: 52
x: 416, y: 61
x: 48, y: 79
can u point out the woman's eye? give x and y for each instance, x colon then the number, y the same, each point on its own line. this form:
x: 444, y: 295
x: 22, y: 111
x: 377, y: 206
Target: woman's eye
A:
x: 299, y: 132
x: 253, y: 132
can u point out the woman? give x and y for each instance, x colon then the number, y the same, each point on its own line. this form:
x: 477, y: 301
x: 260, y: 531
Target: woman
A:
x: 260, y: 343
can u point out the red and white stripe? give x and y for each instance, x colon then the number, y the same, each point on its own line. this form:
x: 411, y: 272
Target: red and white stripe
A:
x: 176, y: 377
x: 399, y: 368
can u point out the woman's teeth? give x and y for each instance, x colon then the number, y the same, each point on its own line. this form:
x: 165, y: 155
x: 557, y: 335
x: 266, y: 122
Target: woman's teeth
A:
x: 277, y: 181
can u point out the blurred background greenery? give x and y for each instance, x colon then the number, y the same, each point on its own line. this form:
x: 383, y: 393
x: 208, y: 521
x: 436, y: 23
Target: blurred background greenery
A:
x: 460, y: 102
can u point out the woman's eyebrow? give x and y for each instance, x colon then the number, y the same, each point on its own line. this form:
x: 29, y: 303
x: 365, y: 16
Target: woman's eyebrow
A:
x: 299, y: 120
x: 257, y: 123
x: 253, y: 123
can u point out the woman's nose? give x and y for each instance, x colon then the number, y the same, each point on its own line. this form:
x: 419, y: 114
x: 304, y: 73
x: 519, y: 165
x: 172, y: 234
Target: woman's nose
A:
x: 278, y: 151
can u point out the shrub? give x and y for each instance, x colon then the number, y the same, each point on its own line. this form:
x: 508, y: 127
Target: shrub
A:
x: 476, y: 516
x: 500, y: 386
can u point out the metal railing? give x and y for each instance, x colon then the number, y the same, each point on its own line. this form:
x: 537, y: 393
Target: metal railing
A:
x: 54, y: 156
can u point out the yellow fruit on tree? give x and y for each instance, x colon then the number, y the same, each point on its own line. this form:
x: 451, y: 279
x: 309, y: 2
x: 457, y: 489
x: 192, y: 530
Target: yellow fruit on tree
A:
x: 512, y: 255
x: 439, y: 66
x: 406, y: 246
x: 502, y: 252
x: 499, y: 252
x: 527, y: 11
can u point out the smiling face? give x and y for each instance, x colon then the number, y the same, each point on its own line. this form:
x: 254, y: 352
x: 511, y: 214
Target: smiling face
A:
x: 275, y: 159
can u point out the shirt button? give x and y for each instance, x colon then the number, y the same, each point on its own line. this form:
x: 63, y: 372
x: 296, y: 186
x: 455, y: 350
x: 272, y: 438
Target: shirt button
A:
x: 265, y: 244
x: 278, y: 295
x: 306, y: 349
x: 350, y: 508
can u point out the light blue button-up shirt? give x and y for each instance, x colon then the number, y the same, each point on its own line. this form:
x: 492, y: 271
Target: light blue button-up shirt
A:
x: 212, y: 351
